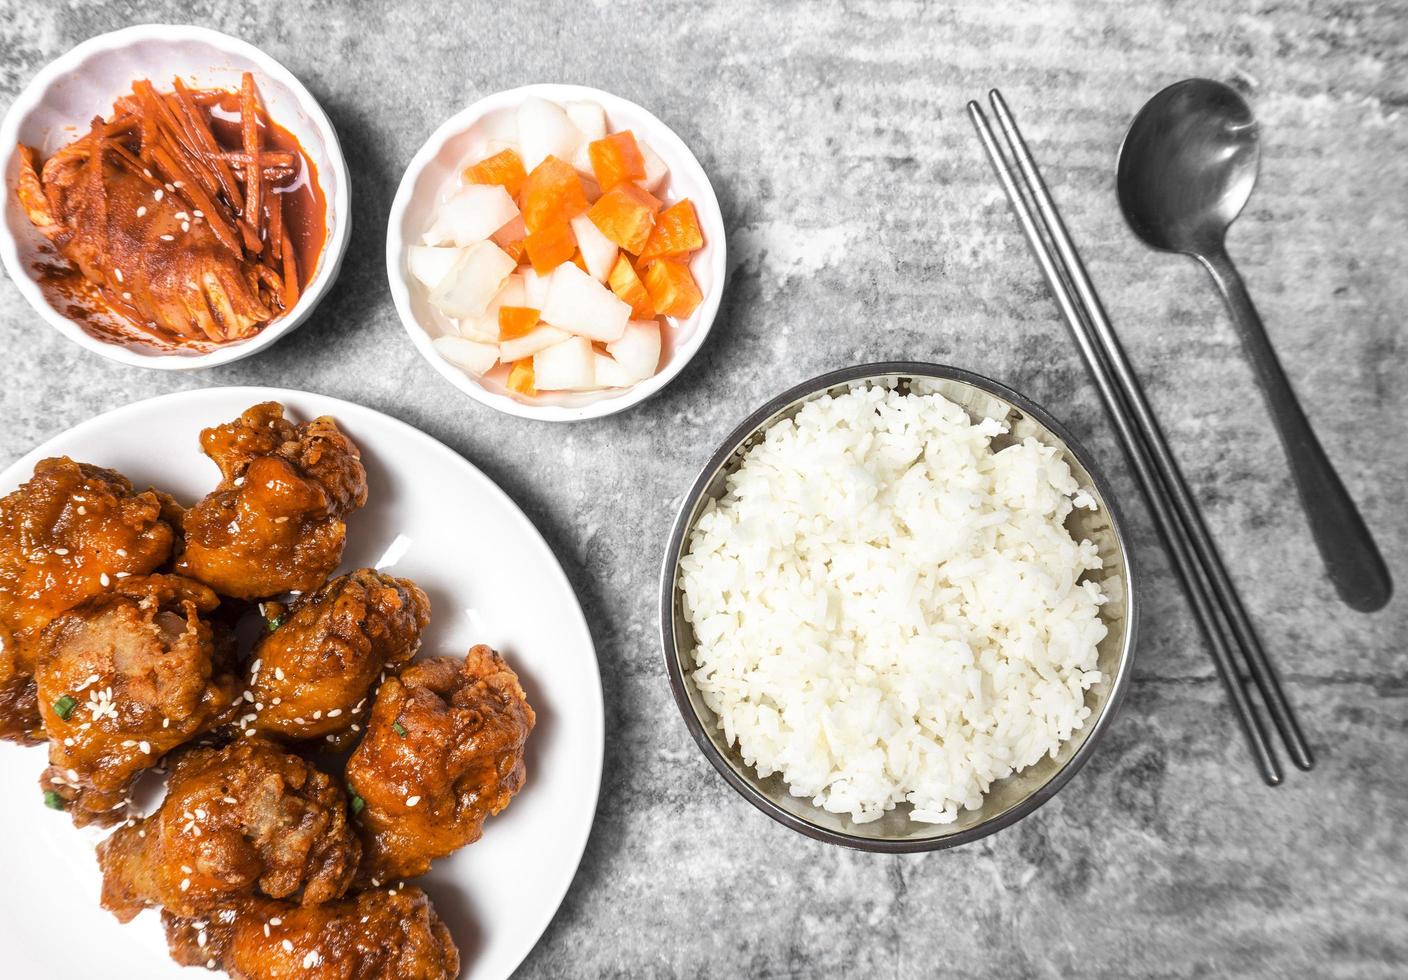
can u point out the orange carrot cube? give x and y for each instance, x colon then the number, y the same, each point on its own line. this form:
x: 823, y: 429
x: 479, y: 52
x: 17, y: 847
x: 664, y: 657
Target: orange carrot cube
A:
x: 520, y: 377
x: 516, y: 321
x: 625, y: 214
x: 676, y: 232
x: 549, y: 248
x: 504, y: 168
x: 616, y: 159
x: 552, y: 195
x: 673, y: 291
x: 629, y: 289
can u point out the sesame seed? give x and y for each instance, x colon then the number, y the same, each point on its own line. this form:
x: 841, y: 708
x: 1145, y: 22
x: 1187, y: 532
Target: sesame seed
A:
x: 122, y: 552
x: 104, y: 580
x: 278, y: 673
x: 356, y: 728
x: 60, y: 551
x: 171, y: 187
x: 166, y: 723
x: 142, y: 832
x: 185, y: 884
x: 185, y: 869
x: 198, y: 214
x: 145, y: 747
x: 288, y: 946
x: 178, y: 184
x: 280, y: 520
x: 185, y: 226
x: 146, y: 171
x: 200, y: 938
x: 249, y: 696
x: 299, y: 721
x: 266, y: 930
x: 158, y: 194
x: 317, y: 714
x: 230, y: 800
x: 412, y: 800
x: 180, y: 216
x: 277, y: 701
x: 168, y: 238
x: 82, y: 509
x: 73, y: 775
x: 334, y: 712
x: 210, y: 964
x: 141, y: 211
x: 123, y: 574
x: 200, y: 814
x: 254, y: 667
x: 117, y: 273
x: 275, y: 921
x: 127, y: 743
x: 127, y: 296
x: 312, y: 959
x: 68, y: 740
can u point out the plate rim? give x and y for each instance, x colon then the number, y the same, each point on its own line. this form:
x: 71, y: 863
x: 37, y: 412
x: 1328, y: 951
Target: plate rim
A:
x: 282, y: 395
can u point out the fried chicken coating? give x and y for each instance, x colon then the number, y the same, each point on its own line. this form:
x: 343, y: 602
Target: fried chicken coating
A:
x: 124, y: 678
x: 275, y: 522
x: 312, y: 677
x: 376, y: 935
x: 443, y: 751
x: 245, y: 820
x: 66, y: 535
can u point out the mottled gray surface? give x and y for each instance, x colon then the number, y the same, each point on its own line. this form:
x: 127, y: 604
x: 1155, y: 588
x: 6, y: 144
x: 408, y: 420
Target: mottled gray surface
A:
x: 863, y: 224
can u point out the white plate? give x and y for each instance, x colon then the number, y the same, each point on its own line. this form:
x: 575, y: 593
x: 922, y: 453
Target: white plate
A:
x: 73, y: 88
x: 491, y: 578
x: 433, y: 174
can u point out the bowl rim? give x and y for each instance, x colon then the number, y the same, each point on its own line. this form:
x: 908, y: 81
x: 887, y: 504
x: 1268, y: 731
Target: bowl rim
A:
x: 339, y: 196
x: 748, y: 427
x: 707, y: 203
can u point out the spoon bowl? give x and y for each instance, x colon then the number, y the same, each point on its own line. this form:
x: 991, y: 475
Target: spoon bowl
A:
x: 1188, y: 165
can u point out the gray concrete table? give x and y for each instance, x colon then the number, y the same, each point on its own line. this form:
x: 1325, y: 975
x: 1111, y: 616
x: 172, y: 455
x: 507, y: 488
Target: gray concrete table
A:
x: 864, y: 225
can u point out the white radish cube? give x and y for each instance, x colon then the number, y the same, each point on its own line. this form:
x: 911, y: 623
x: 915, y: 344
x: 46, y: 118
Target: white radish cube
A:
x: 582, y: 162
x: 535, y: 287
x: 610, y: 373
x: 496, y: 146
x: 474, y: 280
x: 530, y: 343
x: 468, y: 356
x: 598, y: 251
x: 589, y: 118
x: 638, y: 350
x: 485, y: 327
x: 543, y: 131
x: 579, y: 304
x: 430, y: 264
x: 473, y: 213
x: 655, y: 169
x: 568, y: 366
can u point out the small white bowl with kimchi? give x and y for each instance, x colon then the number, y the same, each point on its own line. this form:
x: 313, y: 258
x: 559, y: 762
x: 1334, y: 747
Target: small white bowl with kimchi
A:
x: 174, y: 197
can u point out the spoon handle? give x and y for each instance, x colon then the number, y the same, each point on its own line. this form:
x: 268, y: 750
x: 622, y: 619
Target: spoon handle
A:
x: 1356, y: 568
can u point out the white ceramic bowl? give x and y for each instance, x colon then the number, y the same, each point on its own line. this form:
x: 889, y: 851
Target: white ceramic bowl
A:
x: 433, y: 175
x: 74, y: 88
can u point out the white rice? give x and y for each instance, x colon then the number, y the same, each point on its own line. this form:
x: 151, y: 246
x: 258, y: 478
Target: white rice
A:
x: 887, y: 610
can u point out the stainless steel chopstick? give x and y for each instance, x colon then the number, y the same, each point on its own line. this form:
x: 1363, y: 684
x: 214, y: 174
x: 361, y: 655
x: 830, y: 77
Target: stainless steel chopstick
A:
x: 1195, y: 578
x: 1262, y: 673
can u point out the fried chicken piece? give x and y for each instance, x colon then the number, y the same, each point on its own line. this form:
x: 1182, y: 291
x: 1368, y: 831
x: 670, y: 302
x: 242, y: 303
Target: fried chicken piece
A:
x: 123, y: 679
x: 275, y: 522
x: 245, y: 820
x: 443, y: 751
x: 66, y: 535
x: 313, y: 675
x: 376, y: 935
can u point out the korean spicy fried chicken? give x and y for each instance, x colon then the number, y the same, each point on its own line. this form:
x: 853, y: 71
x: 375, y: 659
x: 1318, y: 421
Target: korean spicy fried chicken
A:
x: 122, y: 679
x: 375, y: 935
x: 312, y: 677
x: 67, y: 534
x: 443, y: 751
x: 275, y: 522
x: 245, y: 821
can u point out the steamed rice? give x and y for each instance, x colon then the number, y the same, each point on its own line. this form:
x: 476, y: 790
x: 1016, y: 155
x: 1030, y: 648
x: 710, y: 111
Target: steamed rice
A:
x: 888, y: 610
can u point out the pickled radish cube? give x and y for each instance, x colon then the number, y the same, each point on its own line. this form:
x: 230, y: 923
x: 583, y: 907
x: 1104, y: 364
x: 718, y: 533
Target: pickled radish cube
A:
x: 535, y: 288
x: 514, y: 231
x: 655, y: 169
x: 473, y: 213
x: 485, y: 326
x: 467, y: 355
x: 610, y: 373
x: 544, y: 130
x: 638, y: 349
x: 598, y: 251
x: 568, y: 366
x: 431, y: 263
x: 474, y: 280
x: 539, y: 338
x: 588, y: 117
x: 579, y: 304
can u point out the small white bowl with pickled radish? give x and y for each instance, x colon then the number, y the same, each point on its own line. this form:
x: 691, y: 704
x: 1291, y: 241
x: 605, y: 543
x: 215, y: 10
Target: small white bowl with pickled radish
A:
x: 556, y: 252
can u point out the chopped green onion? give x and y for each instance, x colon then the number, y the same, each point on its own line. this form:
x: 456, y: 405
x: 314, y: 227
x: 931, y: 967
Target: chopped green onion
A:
x: 357, y: 804
x: 64, y: 706
x: 398, y: 728
x: 53, y: 800
x: 275, y: 623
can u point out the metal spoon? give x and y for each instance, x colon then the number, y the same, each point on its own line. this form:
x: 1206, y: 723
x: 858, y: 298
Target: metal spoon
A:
x: 1186, y: 169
